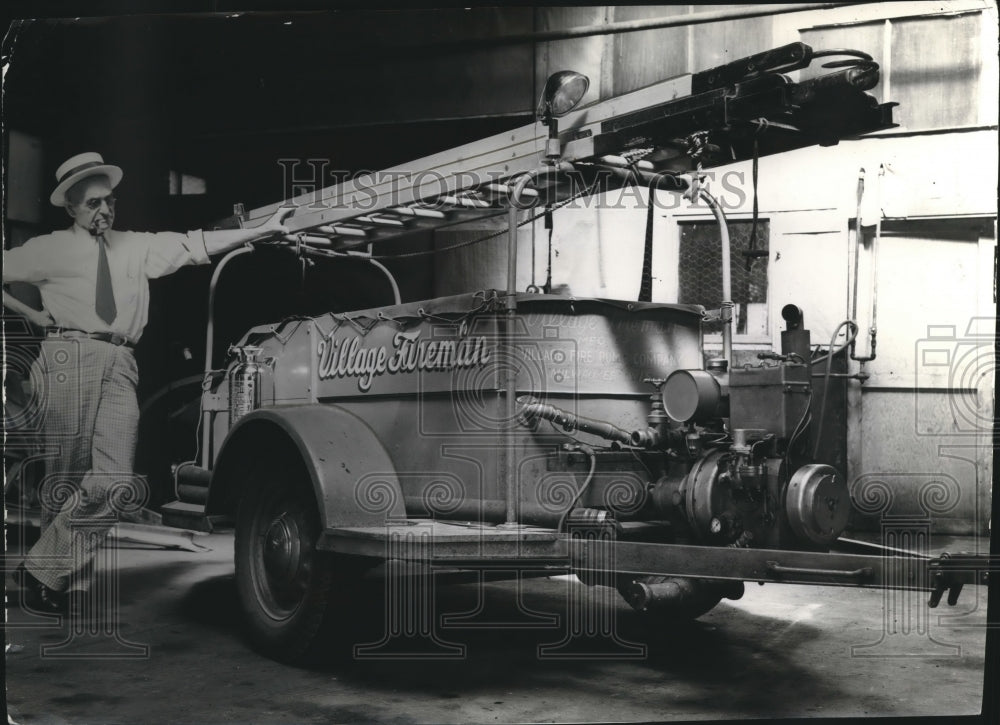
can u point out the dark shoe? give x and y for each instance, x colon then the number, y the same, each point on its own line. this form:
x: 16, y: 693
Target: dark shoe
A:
x: 38, y: 597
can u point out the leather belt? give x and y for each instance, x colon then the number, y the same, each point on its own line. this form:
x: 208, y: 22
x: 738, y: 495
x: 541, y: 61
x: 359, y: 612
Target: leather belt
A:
x: 112, y: 338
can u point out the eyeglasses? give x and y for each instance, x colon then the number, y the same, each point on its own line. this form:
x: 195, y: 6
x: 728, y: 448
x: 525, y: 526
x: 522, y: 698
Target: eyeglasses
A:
x: 95, y: 204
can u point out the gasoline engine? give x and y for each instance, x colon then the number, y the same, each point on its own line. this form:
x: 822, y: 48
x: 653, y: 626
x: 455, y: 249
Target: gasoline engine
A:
x: 731, y: 447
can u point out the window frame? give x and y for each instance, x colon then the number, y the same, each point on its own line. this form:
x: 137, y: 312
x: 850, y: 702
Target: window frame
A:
x: 713, y: 340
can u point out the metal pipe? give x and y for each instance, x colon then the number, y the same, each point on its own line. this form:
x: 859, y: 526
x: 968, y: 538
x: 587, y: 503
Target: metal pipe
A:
x: 667, y: 595
x: 632, y: 26
x: 875, y: 244
x: 661, y: 180
x: 646, y: 438
x: 509, y: 458
x: 206, y: 431
x: 651, y: 179
x: 827, y: 374
x: 392, y: 280
x: 873, y: 330
x: 520, y: 186
x: 862, y: 376
x: 375, y: 263
x: 583, y: 488
x: 853, y: 313
x: 727, y: 282
x: 570, y: 422
x: 210, y: 333
x: 360, y: 256
x: 659, y: 436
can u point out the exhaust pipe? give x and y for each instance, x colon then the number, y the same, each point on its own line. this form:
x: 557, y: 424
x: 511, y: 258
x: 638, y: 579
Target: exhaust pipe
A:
x: 678, y: 596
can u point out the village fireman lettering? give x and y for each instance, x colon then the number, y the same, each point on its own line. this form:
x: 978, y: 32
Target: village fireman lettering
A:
x: 348, y: 357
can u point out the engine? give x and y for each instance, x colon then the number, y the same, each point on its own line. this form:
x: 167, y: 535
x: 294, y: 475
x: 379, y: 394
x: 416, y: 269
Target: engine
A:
x: 733, y: 454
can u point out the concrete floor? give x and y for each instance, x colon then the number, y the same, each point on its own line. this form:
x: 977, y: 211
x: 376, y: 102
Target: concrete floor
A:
x: 781, y: 651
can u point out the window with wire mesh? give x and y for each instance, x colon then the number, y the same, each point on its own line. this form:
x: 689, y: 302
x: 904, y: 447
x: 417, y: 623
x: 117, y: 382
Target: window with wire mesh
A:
x: 700, y: 273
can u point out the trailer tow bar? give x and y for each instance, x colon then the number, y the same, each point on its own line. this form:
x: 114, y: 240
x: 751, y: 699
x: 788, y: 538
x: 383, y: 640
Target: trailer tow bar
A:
x: 951, y: 572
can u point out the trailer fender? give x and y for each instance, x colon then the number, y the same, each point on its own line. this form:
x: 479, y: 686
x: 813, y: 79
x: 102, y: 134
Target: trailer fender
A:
x: 352, y: 476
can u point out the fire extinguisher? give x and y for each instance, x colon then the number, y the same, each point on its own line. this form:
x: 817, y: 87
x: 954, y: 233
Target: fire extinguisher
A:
x: 244, y: 382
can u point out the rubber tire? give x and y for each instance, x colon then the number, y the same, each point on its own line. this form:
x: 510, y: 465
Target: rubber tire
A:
x: 288, y: 613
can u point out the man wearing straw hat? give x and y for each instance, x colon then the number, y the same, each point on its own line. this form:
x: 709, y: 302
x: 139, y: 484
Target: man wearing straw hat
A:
x: 94, y: 285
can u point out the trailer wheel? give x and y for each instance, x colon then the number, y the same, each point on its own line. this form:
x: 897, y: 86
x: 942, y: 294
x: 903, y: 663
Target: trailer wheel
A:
x: 288, y: 590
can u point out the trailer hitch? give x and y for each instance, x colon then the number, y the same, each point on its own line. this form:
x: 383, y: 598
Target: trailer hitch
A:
x: 951, y: 572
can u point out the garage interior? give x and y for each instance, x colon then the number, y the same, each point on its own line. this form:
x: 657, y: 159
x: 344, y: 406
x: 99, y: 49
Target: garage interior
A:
x: 213, y: 112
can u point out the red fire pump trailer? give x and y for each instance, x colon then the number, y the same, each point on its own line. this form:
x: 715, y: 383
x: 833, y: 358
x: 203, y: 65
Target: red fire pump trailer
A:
x: 536, y: 430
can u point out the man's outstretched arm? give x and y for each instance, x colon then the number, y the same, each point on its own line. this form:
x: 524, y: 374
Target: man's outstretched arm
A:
x: 222, y: 240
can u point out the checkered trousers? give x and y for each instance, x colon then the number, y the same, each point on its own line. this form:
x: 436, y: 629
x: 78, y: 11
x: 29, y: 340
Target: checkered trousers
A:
x: 91, y: 417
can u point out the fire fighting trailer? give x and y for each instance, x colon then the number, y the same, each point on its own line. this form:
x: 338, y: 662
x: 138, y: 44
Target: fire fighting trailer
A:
x: 532, y: 430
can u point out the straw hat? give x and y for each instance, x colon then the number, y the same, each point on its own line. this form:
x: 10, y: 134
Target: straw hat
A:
x: 80, y: 167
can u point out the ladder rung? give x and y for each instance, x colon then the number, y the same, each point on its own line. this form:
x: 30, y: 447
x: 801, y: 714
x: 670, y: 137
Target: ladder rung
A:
x: 385, y: 221
x: 314, y: 239
x: 418, y: 211
x: 623, y: 163
x: 505, y: 189
x: 341, y: 230
x: 465, y: 201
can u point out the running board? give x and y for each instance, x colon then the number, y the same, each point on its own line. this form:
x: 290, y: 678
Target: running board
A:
x: 184, y: 515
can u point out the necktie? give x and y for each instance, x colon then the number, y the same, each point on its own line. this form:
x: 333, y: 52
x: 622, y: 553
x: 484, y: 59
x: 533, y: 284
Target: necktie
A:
x: 104, y: 299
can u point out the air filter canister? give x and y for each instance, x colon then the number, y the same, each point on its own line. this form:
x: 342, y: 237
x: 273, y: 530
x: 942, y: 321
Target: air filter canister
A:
x: 692, y: 395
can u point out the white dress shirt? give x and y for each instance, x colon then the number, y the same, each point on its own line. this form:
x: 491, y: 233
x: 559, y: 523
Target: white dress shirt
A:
x: 63, y: 265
